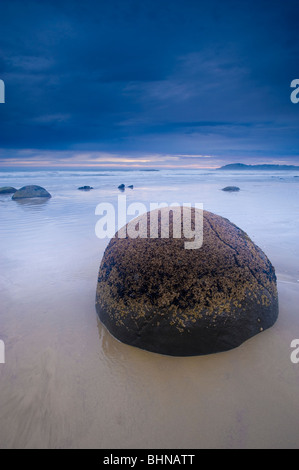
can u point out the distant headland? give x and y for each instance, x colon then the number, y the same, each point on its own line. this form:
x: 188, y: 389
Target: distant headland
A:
x: 242, y: 166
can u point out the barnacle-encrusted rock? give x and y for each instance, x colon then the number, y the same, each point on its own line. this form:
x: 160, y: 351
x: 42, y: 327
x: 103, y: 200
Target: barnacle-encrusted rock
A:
x: 155, y: 294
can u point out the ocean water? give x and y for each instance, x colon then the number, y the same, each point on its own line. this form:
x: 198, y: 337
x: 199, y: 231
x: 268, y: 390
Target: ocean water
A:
x: 67, y: 383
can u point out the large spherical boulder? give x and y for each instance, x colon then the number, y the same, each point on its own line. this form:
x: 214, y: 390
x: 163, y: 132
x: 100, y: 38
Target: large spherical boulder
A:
x: 31, y: 192
x: 7, y: 190
x: 155, y: 294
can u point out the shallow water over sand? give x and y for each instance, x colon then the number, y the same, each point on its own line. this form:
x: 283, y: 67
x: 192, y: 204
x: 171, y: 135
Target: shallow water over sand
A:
x: 68, y: 383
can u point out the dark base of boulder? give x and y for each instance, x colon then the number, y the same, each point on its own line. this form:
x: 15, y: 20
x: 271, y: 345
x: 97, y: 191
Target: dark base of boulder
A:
x: 196, y: 340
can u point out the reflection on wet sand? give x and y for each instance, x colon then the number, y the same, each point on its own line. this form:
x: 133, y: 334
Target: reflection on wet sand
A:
x: 37, y: 203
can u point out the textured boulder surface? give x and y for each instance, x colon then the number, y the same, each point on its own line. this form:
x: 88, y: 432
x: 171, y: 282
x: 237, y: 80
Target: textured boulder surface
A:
x: 7, y: 190
x: 30, y: 192
x: 155, y: 294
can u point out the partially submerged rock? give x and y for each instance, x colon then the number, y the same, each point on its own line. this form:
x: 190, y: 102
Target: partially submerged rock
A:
x: 231, y: 188
x: 7, y: 190
x: 155, y: 294
x: 85, y: 188
x: 31, y: 192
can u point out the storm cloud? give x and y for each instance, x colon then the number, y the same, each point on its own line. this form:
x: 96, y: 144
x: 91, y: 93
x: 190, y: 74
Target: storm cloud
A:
x: 169, y: 83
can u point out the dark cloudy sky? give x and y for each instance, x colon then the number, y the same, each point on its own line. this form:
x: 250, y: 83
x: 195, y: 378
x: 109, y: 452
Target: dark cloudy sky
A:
x: 148, y: 83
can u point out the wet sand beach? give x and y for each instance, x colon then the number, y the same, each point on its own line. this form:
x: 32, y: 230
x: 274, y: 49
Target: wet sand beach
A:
x: 67, y: 383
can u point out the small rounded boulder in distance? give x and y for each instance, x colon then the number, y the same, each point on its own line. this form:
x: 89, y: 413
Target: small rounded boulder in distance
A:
x: 31, y: 192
